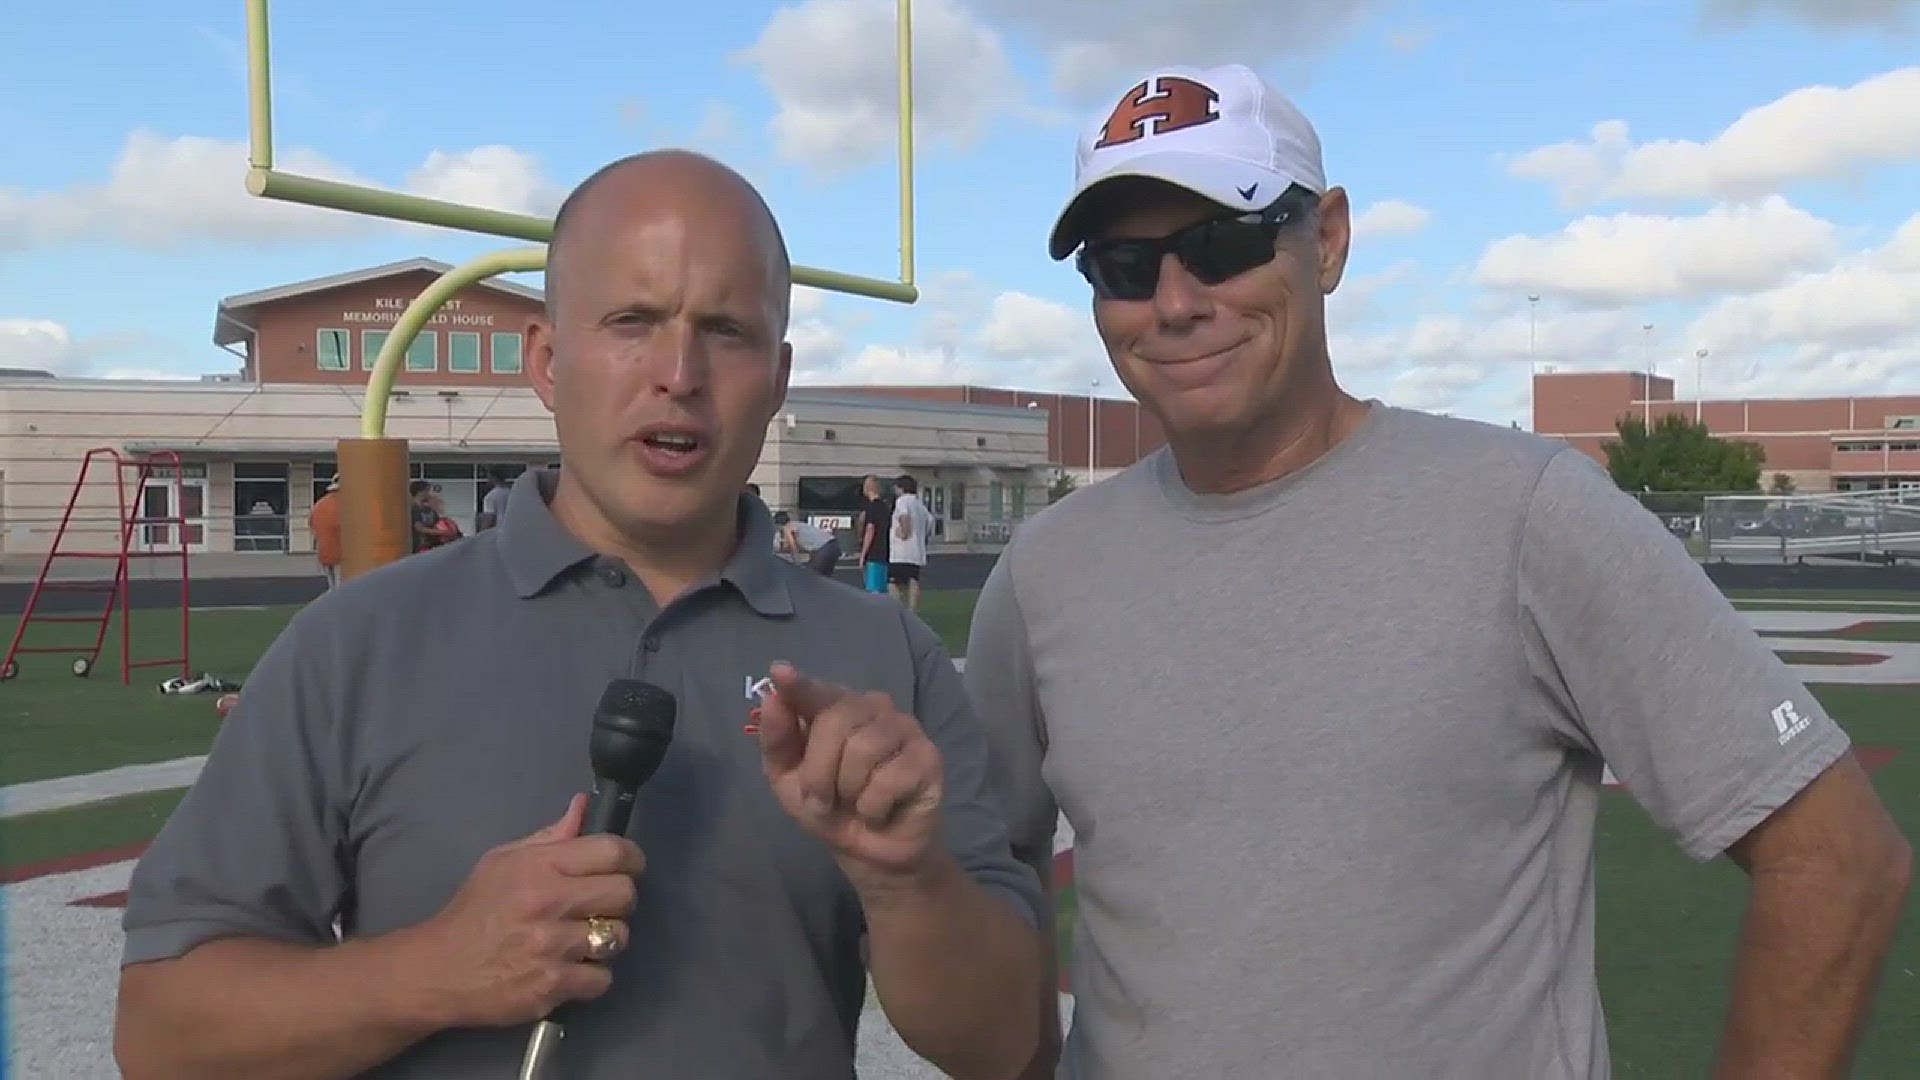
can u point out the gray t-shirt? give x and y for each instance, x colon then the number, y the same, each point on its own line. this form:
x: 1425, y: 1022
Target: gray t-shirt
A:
x: 438, y: 707
x: 1332, y: 750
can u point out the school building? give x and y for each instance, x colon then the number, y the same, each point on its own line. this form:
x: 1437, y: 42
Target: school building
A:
x: 256, y: 447
x: 1822, y: 444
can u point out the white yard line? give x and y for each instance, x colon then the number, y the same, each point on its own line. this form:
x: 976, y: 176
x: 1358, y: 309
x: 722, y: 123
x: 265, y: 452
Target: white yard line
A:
x: 36, y: 796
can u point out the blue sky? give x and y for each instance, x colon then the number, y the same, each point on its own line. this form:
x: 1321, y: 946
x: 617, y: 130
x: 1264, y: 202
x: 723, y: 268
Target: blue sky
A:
x: 1779, y: 249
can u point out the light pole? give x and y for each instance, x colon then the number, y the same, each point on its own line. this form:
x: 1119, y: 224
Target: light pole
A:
x: 1646, y: 365
x: 1533, y: 321
x: 1093, y: 405
x: 1699, y: 381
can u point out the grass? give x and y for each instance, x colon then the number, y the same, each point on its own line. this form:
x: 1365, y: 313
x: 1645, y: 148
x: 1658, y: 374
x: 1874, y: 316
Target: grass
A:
x: 950, y: 613
x: 1830, y: 605
x: 57, y: 834
x: 1827, y: 659
x: 1865, y: 630
x: 1843, y: 596
x: 1667, y: 926
x: 53, y: 724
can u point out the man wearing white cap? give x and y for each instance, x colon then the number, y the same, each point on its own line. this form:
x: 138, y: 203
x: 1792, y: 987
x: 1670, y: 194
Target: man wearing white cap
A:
x: 1333, y: 788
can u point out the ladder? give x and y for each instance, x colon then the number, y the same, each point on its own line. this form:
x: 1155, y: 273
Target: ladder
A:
x: 132, y: 518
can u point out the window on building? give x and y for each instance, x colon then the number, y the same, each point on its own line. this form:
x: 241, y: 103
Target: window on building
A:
x: 996, y: 501
x: 323, y: 471
x: 260, y: 509
x: 424, y: 353
x: 506, y: 354
x: 371, y: 342
x: 957, y: 501
x: 463, y: 352
x: 335, y: 350
x: 1020, y: 501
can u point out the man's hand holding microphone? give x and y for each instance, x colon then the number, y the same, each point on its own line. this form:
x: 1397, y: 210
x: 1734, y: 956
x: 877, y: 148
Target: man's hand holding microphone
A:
x: 532, y: 927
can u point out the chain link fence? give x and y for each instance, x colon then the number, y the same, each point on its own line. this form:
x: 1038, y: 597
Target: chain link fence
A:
x: 1864, y: 526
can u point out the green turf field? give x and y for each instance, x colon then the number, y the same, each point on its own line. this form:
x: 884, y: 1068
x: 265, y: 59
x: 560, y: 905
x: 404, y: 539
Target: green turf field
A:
x: 1666, y: 926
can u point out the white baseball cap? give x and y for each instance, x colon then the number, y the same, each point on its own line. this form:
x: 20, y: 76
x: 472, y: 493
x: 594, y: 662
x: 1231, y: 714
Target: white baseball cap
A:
x: 1223, y: 133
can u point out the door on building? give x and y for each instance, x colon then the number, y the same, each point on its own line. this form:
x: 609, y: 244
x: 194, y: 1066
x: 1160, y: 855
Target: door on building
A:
x: 158, y: 500
x: 260, y: 506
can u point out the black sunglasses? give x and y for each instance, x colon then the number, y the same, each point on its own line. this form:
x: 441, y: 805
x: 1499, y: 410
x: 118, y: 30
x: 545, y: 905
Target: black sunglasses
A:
x: 1213, y: 250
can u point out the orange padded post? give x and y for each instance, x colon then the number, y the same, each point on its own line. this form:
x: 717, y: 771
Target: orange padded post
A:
x: 375, y: 525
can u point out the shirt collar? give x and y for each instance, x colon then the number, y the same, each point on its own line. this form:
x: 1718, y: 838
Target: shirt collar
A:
x: 537, y: 548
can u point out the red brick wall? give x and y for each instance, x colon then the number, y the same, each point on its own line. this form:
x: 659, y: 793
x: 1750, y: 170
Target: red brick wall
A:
x: 288, y: 336
x: 1797, y: 435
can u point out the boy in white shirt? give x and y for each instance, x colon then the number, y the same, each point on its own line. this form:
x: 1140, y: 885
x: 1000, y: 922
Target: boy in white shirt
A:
x: 912, y: 525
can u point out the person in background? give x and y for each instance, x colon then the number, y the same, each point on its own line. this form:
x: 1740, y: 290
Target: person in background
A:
x: 324, y: 524
x: 494, y: 503
x: 912, y: 530
x: 875, y: 527
x: 820, y: 548
x: 422, y: 515
x: 445, y: 529
x: 1334, y: 809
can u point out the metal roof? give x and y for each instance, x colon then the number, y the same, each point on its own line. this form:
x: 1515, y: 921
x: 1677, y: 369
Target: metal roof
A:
x: 226, y: 332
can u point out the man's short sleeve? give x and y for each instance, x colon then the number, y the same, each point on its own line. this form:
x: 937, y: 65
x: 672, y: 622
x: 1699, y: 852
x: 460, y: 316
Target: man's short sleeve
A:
x: 976, y: 829
x: 1653, y: 669
x: 256, y: 847
x: 999, y: 680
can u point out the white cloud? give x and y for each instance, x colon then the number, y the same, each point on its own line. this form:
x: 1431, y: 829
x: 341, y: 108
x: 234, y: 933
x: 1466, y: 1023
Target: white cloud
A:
x: 50, y: 346
x: 1021, y: 326
x: 497, y: 177
x: 1814, y: 133
x: 830, y: 65
x: 163, y: 192
x: 1095, y: 57
x: 39, y: 345
x: 1634, y: 258
x: 961, y: 332
x: 1391, y: 218
x: 1434, y: 386
x: 1822, y: 14
x: 1850, y: 326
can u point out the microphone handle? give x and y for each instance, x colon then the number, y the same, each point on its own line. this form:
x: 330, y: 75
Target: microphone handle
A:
x: 609, y: 808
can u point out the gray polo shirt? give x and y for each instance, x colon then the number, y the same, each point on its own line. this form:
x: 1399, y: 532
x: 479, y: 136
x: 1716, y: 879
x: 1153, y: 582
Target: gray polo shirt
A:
x: 407, y: 722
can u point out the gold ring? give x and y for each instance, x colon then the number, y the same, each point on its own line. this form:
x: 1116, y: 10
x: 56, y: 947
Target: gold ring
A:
x: 603, y: 938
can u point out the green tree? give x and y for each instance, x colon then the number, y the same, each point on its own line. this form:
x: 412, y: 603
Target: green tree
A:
x: 1782, y: 484
x: 1063, y: 486
x: 1681, y: 455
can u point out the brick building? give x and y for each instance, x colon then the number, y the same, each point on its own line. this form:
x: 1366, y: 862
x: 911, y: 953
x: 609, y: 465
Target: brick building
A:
x: 1823, y: 444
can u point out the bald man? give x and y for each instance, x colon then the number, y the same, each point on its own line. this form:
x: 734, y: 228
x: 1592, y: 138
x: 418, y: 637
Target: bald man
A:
x: 380, y: 871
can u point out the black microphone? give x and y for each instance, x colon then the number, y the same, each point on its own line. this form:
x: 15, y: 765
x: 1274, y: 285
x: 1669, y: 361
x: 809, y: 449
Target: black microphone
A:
x: 632, y: 727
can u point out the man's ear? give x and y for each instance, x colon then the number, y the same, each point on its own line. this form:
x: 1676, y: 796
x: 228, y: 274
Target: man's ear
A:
x: 783, y: 377
x: 1335, y: 224
x: 539, y: 358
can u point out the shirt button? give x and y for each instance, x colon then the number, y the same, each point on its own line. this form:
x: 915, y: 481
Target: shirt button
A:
x: 613, y: 576
x: 650, y: 643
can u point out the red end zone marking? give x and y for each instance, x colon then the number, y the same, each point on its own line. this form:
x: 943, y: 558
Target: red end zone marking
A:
x: 1875, y: 758
x: 68, y: 864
